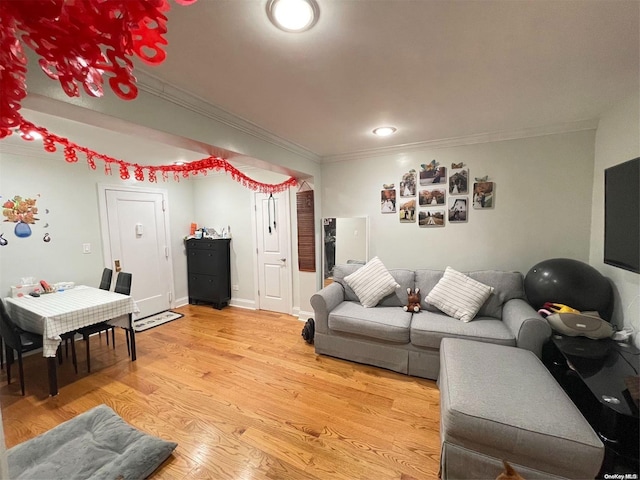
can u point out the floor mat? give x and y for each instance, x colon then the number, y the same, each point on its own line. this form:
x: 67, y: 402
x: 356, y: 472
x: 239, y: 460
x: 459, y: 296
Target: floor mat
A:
x: 153, y: 321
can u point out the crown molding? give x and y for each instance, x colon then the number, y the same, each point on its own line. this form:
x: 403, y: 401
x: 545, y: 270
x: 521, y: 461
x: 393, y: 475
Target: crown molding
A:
x: 590, y: 124
x: 155, y: 86
x: 25, y: 149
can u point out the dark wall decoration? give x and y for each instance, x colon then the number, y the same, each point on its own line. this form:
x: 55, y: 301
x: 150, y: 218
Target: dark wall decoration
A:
x: 306, y: 231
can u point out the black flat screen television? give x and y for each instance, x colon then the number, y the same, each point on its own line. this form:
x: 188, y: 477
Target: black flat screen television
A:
x: 622, y: 215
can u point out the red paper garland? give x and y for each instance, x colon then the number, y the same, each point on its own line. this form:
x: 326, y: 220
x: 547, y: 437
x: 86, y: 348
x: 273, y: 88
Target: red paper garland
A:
x: 78, y: 41
x: 51, y: 142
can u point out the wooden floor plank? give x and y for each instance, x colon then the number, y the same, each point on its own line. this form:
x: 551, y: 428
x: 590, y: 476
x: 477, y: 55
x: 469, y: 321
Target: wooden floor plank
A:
x: 245, y: 399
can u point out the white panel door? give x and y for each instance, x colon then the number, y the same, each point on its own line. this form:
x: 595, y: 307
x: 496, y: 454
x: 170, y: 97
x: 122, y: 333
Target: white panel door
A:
x: 274, y: 269
x: 137, y: 240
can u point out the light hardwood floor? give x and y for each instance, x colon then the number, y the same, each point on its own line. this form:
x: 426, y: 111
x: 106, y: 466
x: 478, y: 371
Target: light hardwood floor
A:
x: 245, y: 398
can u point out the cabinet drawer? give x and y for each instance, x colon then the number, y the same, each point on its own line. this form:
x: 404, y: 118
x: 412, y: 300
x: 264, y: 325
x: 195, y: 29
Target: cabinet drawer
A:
x: 205, y: 261
x: 205, y: 287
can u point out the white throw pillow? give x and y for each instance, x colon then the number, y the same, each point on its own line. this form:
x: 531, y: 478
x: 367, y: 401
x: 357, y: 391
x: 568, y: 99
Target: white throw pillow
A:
x: 458, y: 295
x: 371, y: 283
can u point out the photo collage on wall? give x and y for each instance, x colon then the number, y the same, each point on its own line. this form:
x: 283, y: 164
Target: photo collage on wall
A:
x: 436, y: 195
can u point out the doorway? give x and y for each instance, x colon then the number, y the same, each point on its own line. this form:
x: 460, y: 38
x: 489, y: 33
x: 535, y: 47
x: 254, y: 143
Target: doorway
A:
x: 273, y: 242
x: 135, y: 239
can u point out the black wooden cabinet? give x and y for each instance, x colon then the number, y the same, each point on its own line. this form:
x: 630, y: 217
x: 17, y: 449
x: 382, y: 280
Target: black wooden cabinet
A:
x: 209, y: 271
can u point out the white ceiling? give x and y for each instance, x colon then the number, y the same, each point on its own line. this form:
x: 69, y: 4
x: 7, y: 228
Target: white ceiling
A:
x: 435, y: 69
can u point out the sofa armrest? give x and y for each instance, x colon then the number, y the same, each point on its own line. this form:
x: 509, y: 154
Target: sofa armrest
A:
x: 323, y: 302
x: 529, y: 328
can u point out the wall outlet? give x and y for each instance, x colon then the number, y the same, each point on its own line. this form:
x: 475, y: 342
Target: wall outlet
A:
x: 235, y: 288
x: 86, y: 248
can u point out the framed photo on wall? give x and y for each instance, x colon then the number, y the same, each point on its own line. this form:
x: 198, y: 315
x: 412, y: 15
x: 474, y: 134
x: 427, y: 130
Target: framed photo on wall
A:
x: 408, y: 184
x: 407, y: 212
x: 458, y: 209
x: 388, y: 200
x: 433, y: 217
x: 483, y: 195
x: 432, y: 196
x: 459, y: 181
x: 432, y: 173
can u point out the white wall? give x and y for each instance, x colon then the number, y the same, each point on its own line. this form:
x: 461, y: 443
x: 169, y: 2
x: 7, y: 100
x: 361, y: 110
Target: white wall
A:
x: 617, y: 140
x: 69, y: 192
x: 166, y: 110
x: 220, y: 202
x: 542, y: 204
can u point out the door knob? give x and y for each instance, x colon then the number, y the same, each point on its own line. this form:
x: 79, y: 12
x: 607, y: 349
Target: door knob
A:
x: 283, y: 259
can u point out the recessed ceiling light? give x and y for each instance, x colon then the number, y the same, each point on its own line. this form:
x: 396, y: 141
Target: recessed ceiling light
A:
x: 293, y: 15
x: 384, y: 131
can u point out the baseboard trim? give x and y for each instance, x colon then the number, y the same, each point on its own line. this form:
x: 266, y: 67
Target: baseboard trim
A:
x: 243, y: 303
x: 303, y: 316
x: 180, y: 302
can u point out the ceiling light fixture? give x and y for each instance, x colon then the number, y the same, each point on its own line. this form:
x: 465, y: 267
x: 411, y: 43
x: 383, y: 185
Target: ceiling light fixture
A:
x: 31, y: 135
x: 384, y: 131
x: 293, y: 15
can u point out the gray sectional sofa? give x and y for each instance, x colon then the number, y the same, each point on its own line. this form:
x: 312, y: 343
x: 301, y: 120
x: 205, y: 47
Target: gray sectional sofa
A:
x: 387, y: 336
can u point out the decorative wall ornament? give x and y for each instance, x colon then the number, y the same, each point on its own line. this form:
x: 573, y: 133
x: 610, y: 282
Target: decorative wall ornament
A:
x: 306, y: 230
x: 22, y: 212
x: 77, y: 42
x: 52, y: 142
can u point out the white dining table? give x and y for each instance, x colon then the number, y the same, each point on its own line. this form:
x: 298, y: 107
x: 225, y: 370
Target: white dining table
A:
x: 53, y: 314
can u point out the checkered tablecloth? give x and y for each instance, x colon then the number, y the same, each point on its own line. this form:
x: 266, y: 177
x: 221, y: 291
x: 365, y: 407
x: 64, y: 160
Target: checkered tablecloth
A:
x: 56, y: 313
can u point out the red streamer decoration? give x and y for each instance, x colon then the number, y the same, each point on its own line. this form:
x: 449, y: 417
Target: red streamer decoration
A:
x: 28, y: 131
x: 78, y: 41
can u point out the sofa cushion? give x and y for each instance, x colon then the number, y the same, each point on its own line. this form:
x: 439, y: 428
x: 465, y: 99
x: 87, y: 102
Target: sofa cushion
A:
x: 425, y: 281
x: 428, y: 329
x: 339, y: 272
x: 399, y: 297
x: 372, y: 282
x: 458, y: 295
x: 506, y: 286
x: 384, y: 323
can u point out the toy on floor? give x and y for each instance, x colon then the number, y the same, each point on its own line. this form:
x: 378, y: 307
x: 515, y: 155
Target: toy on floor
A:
x: 414, y: 301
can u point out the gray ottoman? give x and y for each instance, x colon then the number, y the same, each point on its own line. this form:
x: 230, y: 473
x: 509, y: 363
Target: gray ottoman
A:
x: 499, y: 402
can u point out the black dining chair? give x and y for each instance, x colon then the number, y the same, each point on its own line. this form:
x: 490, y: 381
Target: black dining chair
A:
x: 16, y: 339
x: 105, y: 282
x: 123, y: 285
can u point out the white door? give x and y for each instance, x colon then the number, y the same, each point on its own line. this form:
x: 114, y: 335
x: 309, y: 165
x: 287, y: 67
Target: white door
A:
x: 137, y: 242
x: 274, y: 263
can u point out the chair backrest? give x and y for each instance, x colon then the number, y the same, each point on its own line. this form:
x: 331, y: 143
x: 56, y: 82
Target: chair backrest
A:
x: 105, y: 282
x: 8, y: 329
x: 123, y: 283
